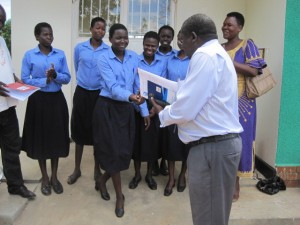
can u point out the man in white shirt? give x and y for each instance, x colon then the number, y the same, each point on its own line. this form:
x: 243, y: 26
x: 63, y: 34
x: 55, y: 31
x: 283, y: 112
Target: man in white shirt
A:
x: 206, y: 112
x: 10, y: 141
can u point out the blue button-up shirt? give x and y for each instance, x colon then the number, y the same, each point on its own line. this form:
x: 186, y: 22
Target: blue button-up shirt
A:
x: 158, y: 66
x: 35, y: 64
x: 85, y: 63
x: 169, y: 54
x: 120, y: 79
x: 177, y: 68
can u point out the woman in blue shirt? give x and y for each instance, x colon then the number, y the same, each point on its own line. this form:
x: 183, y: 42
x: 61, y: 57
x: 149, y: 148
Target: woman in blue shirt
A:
x: 166, y: 36
x: 147, y: 140
x: 87, y: 91
x: 46, y: 126
x: 175, y: 149
x: 113, y: 119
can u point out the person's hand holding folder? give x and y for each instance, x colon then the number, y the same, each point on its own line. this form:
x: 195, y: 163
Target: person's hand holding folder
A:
x: 156, y: 107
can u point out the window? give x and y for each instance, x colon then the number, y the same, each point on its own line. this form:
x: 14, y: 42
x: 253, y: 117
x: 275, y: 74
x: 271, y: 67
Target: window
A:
x: 88, y: 9
x: 145, y: 15
x: 139, y: 16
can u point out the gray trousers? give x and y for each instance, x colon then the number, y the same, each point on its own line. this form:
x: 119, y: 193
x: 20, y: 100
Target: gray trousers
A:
x: 212, y: 170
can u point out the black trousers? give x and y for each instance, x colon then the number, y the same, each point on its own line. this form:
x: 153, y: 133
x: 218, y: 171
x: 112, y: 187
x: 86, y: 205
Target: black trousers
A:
x: 10, y: 144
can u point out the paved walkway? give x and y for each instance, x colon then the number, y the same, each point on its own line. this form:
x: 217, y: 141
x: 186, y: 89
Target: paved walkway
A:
x: 80, y: 204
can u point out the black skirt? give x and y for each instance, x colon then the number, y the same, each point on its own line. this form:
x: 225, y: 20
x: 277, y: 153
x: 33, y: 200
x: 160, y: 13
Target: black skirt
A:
x: 174, y: 148
x: 82, y: 113
x: 46, y: 126
x: 146, y: 148
x: 113, y: 132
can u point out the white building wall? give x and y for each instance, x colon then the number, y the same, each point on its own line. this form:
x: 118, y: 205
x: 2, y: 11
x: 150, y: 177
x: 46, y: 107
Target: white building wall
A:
x: 264, y: 23
x: 25, y: 15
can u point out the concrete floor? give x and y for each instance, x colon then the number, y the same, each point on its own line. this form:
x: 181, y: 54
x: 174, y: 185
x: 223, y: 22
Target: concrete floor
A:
x: 80, y: 204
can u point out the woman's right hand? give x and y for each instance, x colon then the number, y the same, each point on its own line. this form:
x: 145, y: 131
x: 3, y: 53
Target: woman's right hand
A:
x: 137, y: 99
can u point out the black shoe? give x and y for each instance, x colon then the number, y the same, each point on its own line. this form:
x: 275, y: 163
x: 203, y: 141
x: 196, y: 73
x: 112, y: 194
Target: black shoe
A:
x: 134, y: 182
x: 120, y: 211
x: 73, y: 178
x: 57, y: 187
x: 167, y: 191
x: 151, y: 183
x: 46, y: 189
x: 163, y: 168
x: 180, y: 188
x: 23, y: 192
x: 155, y: 170
x: 105, y: 195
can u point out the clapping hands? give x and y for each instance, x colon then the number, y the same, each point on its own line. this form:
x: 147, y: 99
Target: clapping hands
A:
x: 51, y: 74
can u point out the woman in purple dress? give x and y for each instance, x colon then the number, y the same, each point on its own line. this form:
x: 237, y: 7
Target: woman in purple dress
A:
x: 248, y: 63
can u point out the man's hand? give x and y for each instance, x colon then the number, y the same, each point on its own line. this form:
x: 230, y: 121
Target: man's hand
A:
x: 156, y: 107
x: 152, y: 112
x: 3, y: 91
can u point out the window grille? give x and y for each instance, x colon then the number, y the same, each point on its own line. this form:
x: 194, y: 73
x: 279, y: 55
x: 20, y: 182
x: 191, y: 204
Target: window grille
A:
x: 145, y: 15
x: 88, y: 9
x: 140, y: 15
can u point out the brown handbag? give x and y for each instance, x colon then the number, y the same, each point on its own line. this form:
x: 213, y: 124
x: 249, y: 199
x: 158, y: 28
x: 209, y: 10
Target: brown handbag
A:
x: 260, y: 84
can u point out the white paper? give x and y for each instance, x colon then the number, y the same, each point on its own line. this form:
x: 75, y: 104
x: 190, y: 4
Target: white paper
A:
x: 170, y: 87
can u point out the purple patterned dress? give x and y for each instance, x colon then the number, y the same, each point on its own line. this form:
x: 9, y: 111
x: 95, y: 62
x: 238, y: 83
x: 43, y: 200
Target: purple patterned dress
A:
x: 247, y: 107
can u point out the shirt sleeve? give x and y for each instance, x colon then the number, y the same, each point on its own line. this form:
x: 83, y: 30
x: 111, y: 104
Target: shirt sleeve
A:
x: 26, y: 73
x: 253, y: 57
x: 63, y: 74
x: 76, y: 58
x: 136, y: 88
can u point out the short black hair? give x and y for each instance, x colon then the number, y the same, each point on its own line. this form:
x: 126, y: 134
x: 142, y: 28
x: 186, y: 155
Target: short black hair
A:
x: 202, y: 25
x: 1, y: 7
x: 39, y: 26
x: 97, y: 19
x: 167, y: 27
x: 151, y: 34
x: 114, y: 27
x: 238, y: 16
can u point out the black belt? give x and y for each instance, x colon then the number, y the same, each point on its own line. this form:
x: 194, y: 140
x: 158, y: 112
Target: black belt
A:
x: 215, y: 138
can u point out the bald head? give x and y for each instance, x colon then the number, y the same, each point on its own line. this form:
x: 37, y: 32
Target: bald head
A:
x: 202, y: 25
x: 2, y: 17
